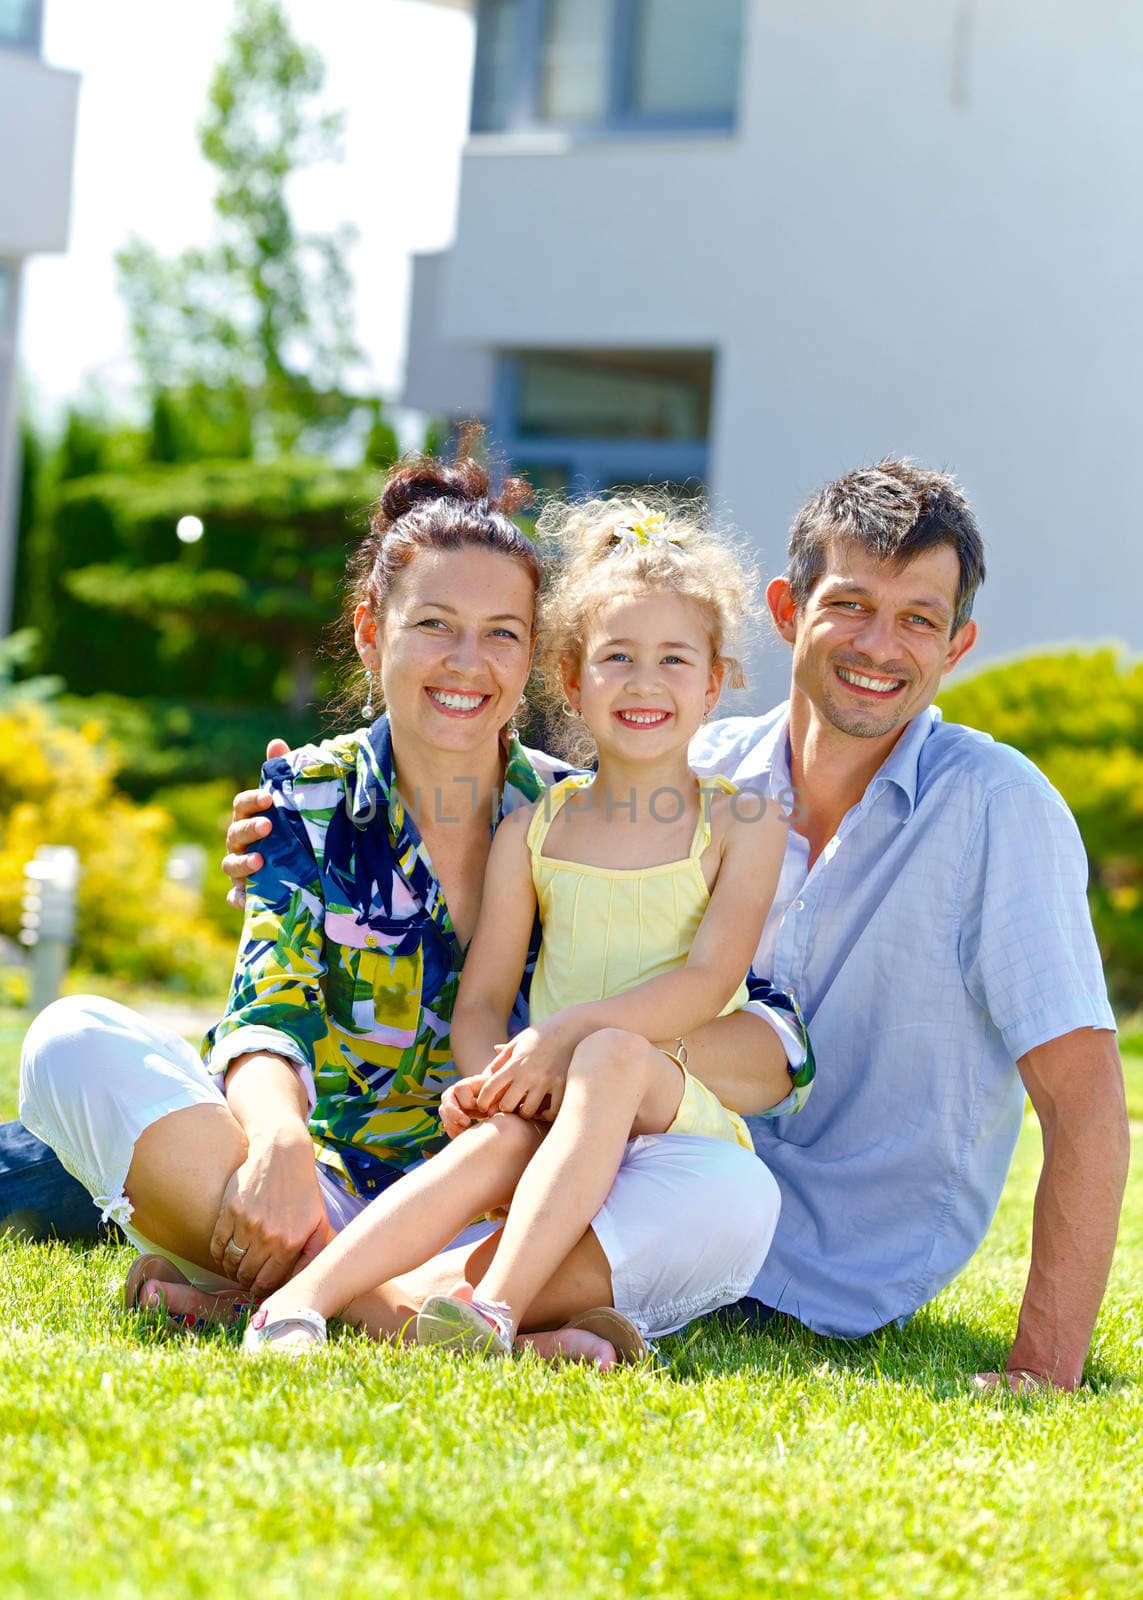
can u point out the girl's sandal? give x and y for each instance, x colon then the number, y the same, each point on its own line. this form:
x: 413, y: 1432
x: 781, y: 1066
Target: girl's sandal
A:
x: 265, y: 1333
x: 620, y: 1332
x: 472, y: 1325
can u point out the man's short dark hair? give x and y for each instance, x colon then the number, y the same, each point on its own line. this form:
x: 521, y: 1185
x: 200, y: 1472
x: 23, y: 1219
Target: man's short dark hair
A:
x: 893, y: 512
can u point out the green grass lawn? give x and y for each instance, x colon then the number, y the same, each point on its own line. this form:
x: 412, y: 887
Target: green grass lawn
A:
x: 135, y: 1461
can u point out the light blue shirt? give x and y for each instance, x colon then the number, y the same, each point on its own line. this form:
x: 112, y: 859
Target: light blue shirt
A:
x: 942, y: 933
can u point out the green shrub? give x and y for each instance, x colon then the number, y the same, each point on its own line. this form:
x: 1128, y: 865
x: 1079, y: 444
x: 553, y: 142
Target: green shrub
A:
x: 1078, y: 714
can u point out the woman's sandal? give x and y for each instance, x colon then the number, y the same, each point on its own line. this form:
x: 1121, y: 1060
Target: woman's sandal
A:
x: 144, y: 1267
x: 620, y: 1332
x: 158, y: 1269
x: 272, y: 1333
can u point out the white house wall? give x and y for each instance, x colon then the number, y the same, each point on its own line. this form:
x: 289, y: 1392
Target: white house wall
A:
x: 924, y: 237
x: 37, y: 138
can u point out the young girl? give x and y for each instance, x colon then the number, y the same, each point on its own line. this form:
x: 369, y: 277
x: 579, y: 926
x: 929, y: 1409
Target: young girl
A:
x: 652, y: 888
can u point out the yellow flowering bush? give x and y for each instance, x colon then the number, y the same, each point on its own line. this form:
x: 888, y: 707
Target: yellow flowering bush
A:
x: 1078, y: 714
x: 133, y: 922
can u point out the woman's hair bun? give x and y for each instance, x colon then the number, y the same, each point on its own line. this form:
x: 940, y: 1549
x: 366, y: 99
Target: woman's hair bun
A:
x: 420, y: 479
x: 427, y: 478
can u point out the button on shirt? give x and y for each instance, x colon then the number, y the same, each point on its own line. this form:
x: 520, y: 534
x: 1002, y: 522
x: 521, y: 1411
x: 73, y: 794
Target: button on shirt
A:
x: 942, y: 933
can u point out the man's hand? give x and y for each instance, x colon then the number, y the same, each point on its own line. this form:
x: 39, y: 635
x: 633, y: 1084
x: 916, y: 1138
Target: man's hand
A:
x: 459, y: 1109
x: 273, y: 1217
x: 528, y: 1074
x: 247, y: 826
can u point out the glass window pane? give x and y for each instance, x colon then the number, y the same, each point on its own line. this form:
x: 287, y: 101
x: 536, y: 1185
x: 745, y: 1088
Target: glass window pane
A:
x: 495, y: 85
x: 575, y: 65
x: 686, y: 57
x: 20, y: 22
x: 614, y: 395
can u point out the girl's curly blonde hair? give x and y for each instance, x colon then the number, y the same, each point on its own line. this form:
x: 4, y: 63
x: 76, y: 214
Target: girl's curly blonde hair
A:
x: 596, y: 550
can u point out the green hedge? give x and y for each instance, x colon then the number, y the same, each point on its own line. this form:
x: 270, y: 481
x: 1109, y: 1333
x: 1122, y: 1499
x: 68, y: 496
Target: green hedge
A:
x: 1078, y: 714
x: 235, y: 619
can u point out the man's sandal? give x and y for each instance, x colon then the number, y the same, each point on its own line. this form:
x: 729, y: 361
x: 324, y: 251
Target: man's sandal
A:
x: 265, y: 1333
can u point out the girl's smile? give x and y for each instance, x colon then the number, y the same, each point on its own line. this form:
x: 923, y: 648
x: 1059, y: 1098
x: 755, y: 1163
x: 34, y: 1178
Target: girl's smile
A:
x: 646, y: 678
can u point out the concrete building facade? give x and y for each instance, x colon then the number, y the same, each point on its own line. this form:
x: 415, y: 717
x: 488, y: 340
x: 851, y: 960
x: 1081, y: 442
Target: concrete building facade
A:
x: 37, y: 139
x: 757, y: 242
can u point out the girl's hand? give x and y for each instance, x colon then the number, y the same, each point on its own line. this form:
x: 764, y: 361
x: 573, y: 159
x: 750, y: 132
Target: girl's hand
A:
x: 458, y: 1106
x: 528, y: 1074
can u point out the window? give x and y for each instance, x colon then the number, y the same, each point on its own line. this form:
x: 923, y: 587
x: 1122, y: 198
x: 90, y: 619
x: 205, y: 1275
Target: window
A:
x: 671, y: 77
x: 607, y: 65
x: 582, y: 421
x: 573, y: 69
x: 495, y: 64
x: 20, y: 22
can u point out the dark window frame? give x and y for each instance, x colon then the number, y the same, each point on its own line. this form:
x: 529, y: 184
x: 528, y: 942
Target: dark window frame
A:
x: 620, y: 116
x: 591, y: 463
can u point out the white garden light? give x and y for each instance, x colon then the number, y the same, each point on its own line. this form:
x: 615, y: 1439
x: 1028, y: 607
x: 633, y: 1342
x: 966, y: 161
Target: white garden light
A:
x: 189, y: 529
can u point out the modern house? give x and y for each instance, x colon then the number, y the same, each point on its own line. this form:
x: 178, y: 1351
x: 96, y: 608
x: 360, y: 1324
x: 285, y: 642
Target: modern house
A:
x: 755, y: 242
x: 37, y: 138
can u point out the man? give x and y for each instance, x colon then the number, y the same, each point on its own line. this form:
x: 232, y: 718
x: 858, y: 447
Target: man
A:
x: 931, y: 919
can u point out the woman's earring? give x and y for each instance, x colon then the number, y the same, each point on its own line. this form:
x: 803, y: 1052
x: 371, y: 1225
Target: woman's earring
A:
x: 367, y: 710
x: 513, y: 730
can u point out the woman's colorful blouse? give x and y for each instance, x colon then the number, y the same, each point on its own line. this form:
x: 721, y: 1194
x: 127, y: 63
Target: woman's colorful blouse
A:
x: 348, y: 964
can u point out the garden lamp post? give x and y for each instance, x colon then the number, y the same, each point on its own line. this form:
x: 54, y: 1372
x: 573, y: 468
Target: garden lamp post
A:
x: 48, y: 921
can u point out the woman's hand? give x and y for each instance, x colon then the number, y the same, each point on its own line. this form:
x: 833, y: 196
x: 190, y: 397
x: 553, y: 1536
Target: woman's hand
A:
x: 272, y: 1218
x: 528, y: 1074
x: 247, y: 826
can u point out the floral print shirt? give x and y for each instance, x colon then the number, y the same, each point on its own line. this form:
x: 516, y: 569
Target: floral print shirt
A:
x: 349, y: 965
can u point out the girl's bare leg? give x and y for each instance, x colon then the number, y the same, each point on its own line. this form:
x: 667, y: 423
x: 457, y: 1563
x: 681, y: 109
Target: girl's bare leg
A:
x: 414, y: 1219
x: 582, y: 1281
x: 617, y: 1085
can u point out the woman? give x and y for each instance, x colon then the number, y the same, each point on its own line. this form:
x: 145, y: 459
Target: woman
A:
x: 336, y: 1034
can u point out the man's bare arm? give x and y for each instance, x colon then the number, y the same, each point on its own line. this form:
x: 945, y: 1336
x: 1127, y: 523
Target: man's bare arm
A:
x: 1075, y: 1084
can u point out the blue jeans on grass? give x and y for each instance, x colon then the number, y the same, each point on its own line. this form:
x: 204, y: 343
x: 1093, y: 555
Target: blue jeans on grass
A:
x: 38, y: 1197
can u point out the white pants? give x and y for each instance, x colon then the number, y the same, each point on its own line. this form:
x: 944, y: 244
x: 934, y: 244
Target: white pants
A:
x: 685, y: 1228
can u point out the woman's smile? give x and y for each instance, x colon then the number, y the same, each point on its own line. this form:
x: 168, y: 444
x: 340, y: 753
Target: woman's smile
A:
x: 456, y: 703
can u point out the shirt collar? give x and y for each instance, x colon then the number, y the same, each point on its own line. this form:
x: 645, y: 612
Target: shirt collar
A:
x: 900, y: 766
x: 376, y: 789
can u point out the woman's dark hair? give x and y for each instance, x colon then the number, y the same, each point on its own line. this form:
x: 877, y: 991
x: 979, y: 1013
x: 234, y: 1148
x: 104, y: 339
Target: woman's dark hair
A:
x: 427, y: 503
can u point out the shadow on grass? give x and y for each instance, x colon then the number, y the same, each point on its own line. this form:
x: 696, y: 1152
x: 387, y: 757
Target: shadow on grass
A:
x: 933, y: 1353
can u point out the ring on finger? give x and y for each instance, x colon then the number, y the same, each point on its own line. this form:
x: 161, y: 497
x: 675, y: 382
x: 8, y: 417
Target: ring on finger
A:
x: 235, y: 1249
